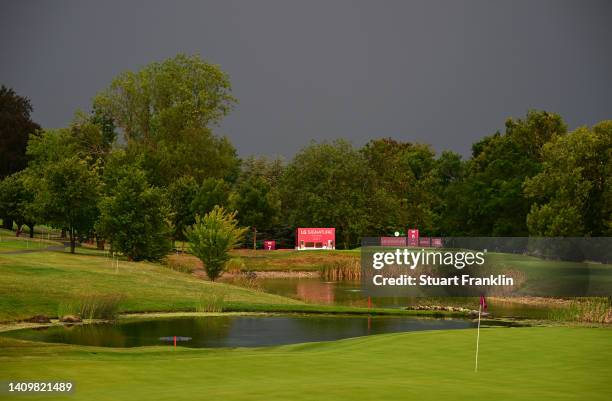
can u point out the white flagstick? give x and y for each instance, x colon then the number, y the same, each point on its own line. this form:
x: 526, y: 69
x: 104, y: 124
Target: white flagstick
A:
x: 478, y: 337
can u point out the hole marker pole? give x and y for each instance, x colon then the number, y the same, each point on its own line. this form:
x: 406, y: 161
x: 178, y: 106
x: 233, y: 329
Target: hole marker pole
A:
x: 478, y: 338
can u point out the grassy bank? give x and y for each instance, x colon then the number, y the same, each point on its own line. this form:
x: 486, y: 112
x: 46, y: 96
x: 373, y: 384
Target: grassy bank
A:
x: 90, y: 285
x: 45, y: 282
x: 552, y: 363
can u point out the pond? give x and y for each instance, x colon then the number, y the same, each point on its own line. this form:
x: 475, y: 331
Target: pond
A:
x: 315, y: 290
x: 232, y: 331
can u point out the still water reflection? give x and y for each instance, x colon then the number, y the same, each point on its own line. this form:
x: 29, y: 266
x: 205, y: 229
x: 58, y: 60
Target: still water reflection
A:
x: 315, y: 290
x: 232, y: 331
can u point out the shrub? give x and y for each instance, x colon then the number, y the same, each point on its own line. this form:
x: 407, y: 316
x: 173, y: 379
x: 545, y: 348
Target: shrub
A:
x: 212, y: 237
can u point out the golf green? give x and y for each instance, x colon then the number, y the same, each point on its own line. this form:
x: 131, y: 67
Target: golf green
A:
x: 537, y: 363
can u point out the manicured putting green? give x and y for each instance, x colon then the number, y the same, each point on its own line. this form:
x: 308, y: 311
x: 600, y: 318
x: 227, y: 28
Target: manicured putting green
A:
x: 544, y: 363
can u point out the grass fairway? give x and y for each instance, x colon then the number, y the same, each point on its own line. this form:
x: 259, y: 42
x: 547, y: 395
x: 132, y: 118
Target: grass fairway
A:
x: 24, y: 243
x: 544, y: 363
x: 37, y: 283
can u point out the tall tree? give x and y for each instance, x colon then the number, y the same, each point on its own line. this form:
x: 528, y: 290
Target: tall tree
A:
x: 404, y: 184
x: 15, y: 129
x: 66, y: 194
x: 65, y: 180
x: 256, y: 198
x: 181, y: 195
x: 573, y: 193
x: 328, y: 185
x: 133, y: 214
x: 166, y: 110
x: 257, y: 203
x: 490, y: 199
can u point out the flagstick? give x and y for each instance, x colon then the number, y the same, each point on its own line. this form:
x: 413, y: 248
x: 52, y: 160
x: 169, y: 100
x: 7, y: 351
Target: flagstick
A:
x: 477, y: 338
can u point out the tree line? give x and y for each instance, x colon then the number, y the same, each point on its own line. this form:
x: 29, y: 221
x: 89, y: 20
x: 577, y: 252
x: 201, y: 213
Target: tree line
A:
x: 144, y: 163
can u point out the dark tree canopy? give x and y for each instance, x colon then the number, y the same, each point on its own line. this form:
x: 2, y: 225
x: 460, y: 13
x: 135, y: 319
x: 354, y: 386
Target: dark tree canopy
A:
x: 489, y: 200
x: 15, y: 129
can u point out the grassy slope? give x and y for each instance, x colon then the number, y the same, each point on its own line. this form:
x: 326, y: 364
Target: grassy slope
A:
x: 548, y: 363
x: 23, y: 243
x: 9, y: 246
x: 36, y: 283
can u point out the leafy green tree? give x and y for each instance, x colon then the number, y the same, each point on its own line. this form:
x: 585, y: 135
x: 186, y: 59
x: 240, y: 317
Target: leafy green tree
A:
x: 15, y: 129
x: 447, y: 181
x: 329, y: 184
x: 86, y: 138
x: 16, y: 201
x: 133, y: 216
x: 489, y: 200
x: 257, y: 203
x: 270, y: 170
x: 213, y: 192
x: 82, y: 142
x: 181, y: 195
x: 573, y: 193
x: 166, y: 110
x: 66, y: 194
x: 404, y: 185
x: 212, y: 237
x: 92, y: 135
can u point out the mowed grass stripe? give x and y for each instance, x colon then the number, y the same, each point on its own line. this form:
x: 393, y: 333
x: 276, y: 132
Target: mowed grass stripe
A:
x: 549, y: 363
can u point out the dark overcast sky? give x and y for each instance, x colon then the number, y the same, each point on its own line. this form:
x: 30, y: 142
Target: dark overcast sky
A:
x: 440, y: 72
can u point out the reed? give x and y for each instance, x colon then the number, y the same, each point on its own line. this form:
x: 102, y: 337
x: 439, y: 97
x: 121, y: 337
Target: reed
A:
x: 586, y: 310
x: 92, y: 307
x: 343, y: 269
x: 235, y: 266
x: 181, y: 263
x: 245, y: 280
x: 210, y: 302
x: 66, y: 309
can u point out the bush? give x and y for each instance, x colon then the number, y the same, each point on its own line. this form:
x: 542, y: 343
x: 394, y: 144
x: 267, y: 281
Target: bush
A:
x: 212, y: 237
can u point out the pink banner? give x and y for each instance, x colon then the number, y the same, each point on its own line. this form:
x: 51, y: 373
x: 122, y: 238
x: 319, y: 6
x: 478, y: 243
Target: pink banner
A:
x: 393, y: 241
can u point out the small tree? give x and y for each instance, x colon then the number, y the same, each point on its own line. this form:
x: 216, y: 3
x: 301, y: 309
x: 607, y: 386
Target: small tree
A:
x: 66, y: 195
x: 16, y: 201
x: 212, y: 237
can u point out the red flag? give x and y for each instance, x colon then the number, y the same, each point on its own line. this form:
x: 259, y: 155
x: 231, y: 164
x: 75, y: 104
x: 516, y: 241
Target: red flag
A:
x: 483, y: 303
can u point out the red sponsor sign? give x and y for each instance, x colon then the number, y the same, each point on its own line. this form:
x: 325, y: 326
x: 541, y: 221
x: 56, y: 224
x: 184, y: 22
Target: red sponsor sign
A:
x: 424, y: 241
x: 436, y: 242
x: 315, y: 238
x: 269, y: 245
x: 393, y: 241
x: 413, y: 237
